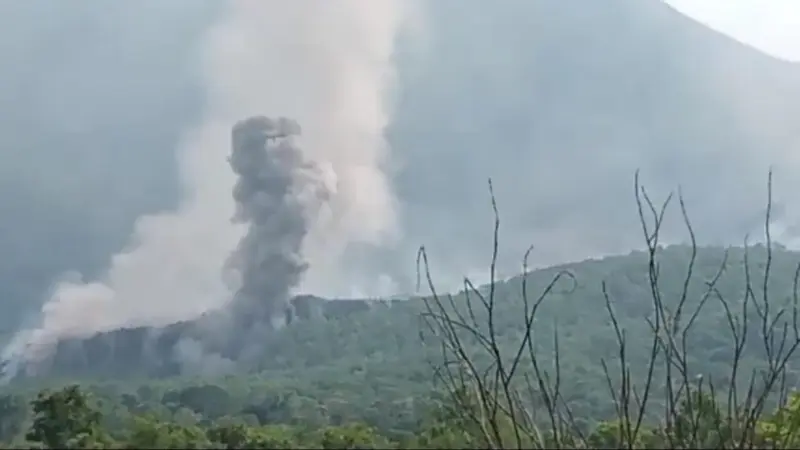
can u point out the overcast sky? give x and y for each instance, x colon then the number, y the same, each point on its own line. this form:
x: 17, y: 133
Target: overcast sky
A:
x: 771, y: 25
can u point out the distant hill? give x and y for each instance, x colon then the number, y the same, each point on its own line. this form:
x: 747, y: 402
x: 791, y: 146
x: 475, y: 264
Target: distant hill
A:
x: 331, y: 340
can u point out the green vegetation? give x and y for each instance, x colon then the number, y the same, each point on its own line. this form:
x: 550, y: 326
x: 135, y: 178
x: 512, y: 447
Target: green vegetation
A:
x: 670, y: 347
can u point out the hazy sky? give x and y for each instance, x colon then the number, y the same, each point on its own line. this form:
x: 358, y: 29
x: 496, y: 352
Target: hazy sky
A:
x: 771, y: 25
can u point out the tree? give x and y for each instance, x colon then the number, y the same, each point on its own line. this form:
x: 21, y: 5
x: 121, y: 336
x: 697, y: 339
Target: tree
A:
x: 234, y: 436
x: 782, y: 428
x: 150, y: 433
x: 352, y: 436
x: 66, y: 419
x: 210, y: 400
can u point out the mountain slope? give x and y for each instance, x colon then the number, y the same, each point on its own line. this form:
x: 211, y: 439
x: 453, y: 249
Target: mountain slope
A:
x: 559, y: 104
x: 382, y: 341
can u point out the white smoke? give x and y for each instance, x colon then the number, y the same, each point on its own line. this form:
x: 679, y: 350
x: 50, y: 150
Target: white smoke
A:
x: 326, y: 64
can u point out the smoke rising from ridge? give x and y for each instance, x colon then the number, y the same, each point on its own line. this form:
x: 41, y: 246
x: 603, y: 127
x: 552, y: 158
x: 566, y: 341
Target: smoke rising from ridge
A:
x: 268, y: 194
x: 325, y: 64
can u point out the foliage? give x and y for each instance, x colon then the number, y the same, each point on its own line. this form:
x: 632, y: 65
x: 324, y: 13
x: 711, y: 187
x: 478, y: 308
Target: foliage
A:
x: 65, y: 419
x: 694, y: 351
x: 516, y: 399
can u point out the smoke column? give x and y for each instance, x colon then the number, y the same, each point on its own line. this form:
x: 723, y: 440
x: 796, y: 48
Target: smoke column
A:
x: 274, y: 182
x: 326, y: 64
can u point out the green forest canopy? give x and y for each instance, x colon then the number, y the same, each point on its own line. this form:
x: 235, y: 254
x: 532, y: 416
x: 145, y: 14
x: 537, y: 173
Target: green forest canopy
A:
x: 375, y: 366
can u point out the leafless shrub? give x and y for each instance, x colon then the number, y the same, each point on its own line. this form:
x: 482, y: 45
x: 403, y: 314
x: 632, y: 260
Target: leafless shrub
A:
x: 514, y: 398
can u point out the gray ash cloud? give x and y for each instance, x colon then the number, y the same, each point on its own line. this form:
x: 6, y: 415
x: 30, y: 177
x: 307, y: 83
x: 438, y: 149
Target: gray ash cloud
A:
x: 272, y: 176
x: 277, y: 194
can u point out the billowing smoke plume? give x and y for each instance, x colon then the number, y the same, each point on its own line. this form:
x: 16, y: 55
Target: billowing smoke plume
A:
x: 326, y: 65
x: 274, y: 180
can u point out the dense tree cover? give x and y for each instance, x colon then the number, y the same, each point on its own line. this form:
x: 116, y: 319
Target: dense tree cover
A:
x: 669, y: 347
x: 72, y: 418
x: 378, y: 351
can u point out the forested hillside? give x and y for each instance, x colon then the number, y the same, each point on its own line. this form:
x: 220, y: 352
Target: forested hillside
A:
x: 686, y: 342
x: 384, y: 337
x: 374, y: 366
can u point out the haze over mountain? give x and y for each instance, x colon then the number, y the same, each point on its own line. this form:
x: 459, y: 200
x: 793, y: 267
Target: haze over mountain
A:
x: 770, y: 26
x: 561, y: 112
x: 559, y: 105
